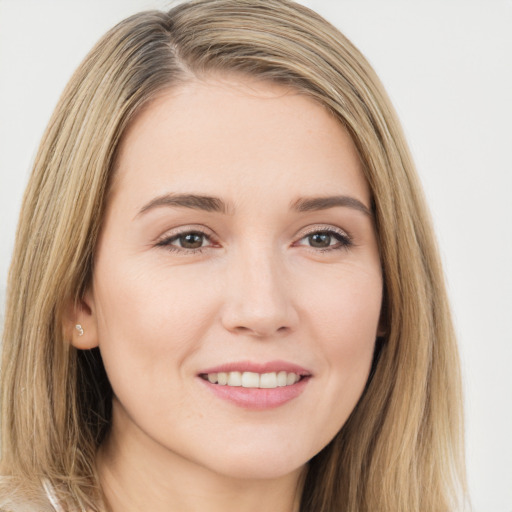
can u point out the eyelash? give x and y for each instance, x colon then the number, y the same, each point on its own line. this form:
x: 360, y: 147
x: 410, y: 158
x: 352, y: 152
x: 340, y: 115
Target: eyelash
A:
x: 344, y: 241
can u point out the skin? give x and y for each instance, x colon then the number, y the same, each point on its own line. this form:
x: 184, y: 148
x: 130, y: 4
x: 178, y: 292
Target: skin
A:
x: 259, y: 290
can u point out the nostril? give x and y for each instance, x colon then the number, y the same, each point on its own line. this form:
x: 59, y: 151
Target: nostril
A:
x: 261, y: 331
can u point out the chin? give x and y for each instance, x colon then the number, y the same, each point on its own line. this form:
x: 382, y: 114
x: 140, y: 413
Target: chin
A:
x: 264, y: 463
x: 258, y: 470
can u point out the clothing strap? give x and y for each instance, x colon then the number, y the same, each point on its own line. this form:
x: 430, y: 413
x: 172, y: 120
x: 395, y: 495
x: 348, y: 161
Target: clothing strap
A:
x: 50, y: 494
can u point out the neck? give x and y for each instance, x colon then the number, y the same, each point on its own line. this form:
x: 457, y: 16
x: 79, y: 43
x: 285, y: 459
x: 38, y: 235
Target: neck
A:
x: 137, y: 474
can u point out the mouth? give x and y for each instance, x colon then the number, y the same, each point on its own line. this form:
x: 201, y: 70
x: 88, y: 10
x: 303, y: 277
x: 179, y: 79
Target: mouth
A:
x: 256, y: 386
x: 269, y: 380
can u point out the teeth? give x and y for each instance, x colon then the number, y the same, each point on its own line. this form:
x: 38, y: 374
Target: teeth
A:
x: 281, y: 379
x: 234, y: 379
x: 291, y: 378
x: 250, y: 380
x: 254, y: 380
x: 268, y: 380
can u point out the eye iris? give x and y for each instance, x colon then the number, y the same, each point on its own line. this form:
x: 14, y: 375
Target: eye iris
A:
x: 320, y: 240
x: 191, y: 240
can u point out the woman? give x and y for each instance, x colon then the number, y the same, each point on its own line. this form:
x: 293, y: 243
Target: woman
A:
x: 225, y: 290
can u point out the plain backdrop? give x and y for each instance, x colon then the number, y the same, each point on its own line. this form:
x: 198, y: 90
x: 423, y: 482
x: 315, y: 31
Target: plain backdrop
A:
x: 447, y: 65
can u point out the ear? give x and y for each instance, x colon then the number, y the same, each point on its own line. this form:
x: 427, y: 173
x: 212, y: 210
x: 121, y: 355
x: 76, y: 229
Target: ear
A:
x: 80, y: 323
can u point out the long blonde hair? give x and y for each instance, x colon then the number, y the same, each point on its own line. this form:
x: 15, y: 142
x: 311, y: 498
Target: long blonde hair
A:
x: 402, y: 447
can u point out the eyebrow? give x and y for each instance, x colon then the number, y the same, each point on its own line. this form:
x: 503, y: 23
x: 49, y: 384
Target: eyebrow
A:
x: 215, y: 204
x: 193, y: 201
x: 307, y: 204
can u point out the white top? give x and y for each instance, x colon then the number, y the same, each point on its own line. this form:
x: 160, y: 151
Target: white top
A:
x: 48, y: 502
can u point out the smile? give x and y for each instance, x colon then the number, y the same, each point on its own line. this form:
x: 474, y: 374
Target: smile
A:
x: 268, y: 380
x: 256, y: 386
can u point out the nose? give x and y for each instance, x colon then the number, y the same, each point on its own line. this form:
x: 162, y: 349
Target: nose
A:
x: 259, y: 296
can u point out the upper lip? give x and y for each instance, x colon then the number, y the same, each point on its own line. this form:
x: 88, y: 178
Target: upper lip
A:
x: 250, y: 366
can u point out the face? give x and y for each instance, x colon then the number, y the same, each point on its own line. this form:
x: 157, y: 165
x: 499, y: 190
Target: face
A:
x: 237, y: 284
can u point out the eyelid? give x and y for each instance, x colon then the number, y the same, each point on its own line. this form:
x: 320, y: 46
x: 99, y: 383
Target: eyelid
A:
x: 186, y: 228
x: 314, y: 228
x: 165, y: 239
x: 344, y: 238
x: 323, y: 228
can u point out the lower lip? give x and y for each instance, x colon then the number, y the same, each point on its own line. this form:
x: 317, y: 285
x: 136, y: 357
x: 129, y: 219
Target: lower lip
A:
x: 257, y: 398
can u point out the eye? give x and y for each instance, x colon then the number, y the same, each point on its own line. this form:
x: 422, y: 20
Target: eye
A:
x: 186, y: 241
x: 326, y: 239
x: 190, y: 240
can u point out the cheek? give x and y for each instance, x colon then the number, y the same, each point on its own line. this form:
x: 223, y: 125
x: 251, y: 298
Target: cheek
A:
x: 149, y: 322
x: 153, y: 300
x: 345, y: 322
x: 345, y: 309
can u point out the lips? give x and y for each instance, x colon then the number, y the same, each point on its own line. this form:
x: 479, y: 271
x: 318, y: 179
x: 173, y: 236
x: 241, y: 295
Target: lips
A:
x: 254, y: 385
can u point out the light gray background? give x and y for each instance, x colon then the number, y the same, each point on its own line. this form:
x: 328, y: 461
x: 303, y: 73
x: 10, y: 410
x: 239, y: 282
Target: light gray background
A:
x: 447, y: 65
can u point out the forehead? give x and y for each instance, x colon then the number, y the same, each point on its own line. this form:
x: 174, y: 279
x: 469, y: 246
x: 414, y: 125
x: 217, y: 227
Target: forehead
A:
x: 228, y: 134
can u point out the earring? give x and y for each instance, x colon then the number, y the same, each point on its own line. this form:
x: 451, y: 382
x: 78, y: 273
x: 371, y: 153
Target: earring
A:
x: 80, y: 330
